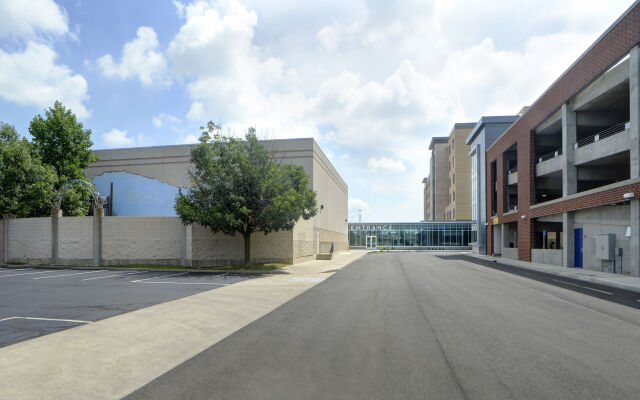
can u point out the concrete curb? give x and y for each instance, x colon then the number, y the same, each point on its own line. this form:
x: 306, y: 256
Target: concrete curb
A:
x: 108, y: 268
x: 566, y: 272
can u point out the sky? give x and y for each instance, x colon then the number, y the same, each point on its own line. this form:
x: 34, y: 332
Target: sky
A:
x: 371, y: 80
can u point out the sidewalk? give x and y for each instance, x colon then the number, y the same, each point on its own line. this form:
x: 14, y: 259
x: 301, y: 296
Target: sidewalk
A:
x: 603, y: 278
x: 111, y: 358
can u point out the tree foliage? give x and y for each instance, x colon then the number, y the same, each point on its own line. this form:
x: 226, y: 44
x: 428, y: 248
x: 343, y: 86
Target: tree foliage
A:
x: 62, y: 142
x: 239, y: 187
x: 26, y: 185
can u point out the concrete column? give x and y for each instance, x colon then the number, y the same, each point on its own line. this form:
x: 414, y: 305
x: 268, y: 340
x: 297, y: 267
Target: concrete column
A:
x: 567, y: 239
x: 189, y: 246
x: 56, y: 213
x: 5, y: 240
x: 634, y: 100
x: 632, y: 260
x: 98, y: 213
x: 569, y: 135
x: 183, y: 261
x: 498, y: 239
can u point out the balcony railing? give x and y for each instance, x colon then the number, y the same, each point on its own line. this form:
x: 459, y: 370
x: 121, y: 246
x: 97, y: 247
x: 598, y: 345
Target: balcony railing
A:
x: 549, y: 155
x: 621, y: 127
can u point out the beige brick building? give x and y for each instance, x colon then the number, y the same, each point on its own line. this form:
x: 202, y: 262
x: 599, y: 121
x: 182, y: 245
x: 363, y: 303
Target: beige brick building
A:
x: 426, y: 196
x: 459, y: 194
x: 438, y: 178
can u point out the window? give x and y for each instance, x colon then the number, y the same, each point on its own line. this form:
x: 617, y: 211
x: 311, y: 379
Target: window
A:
x: 454, y: 196
x: 454, y: 179
x: 454, y: 214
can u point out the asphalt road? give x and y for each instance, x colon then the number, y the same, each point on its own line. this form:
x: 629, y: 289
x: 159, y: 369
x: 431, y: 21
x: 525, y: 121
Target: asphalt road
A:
x: 621, y: 296
x: 36, y: 301
x: 413, y: 326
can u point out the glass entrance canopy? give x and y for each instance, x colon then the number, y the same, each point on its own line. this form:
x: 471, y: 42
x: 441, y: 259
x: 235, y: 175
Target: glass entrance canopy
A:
x: 436, y: 235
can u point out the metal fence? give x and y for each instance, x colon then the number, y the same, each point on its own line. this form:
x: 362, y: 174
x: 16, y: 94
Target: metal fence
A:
x: 550, y: 155
x: 615, y: 129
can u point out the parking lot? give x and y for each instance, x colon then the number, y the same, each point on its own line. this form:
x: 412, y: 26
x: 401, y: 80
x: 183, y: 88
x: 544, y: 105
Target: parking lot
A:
x: 36, y: 301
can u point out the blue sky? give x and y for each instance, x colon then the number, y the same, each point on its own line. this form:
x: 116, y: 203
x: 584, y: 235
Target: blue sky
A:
x: 371, y: 81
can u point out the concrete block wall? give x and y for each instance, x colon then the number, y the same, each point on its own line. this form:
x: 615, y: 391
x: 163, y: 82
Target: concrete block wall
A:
x: 209, y: 249
x: 340, y: 240
x: 75, y: 240
x: 510, y: 252
x: 29, y: 240
x: 547, y: 256
x: 304, y: 247
x: 141, y: 240
x: 156, y: 240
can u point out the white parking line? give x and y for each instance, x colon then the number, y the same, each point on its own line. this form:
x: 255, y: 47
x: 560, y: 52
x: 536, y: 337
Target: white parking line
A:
x: 111, y: 276
x: 47, y: 319
x: 14, y: 270
x: 193, y: 283
x: 28, y: 273
x: 58, y: 276
x: 162, y: 276
x: 584, y: 287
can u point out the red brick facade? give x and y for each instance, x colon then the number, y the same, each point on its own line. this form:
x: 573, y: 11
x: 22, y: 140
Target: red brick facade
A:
x: 606, y: 51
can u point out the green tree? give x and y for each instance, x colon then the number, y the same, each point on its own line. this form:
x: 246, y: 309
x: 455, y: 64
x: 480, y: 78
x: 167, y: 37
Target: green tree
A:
x: 62, y: 142
x: 239, y: 187
x: 26, y: 185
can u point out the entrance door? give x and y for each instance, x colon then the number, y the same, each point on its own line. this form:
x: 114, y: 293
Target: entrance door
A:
x: 372, y: 242
x: 577, y: 247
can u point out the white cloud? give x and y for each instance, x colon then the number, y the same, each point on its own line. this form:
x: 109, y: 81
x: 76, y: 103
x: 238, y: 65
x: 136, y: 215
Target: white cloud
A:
x: 191, y: 138
x: 163, y: 119
x: 196, y: 111
x: 398, y: 73
x: 25, y: 19
x: 117, y: 137
x: 385, y: 164
x: 140, y: 59
x: 357, y: 208
x: 32, y: 77
x: 120, y: 138
x: 179, y: 8
x: 232, y: 79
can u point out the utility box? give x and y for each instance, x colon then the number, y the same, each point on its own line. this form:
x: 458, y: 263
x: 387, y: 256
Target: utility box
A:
x: 605, y: 246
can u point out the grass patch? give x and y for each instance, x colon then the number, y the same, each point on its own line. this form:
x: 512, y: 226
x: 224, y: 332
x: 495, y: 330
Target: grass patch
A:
x: 15, y: 263
x: 242, y: 267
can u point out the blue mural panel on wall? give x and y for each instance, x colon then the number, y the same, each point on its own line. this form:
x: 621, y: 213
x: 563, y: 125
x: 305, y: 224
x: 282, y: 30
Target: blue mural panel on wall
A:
x: 136, y: 195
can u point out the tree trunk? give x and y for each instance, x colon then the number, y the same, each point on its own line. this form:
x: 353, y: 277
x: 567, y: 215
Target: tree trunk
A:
x: 247, y: 248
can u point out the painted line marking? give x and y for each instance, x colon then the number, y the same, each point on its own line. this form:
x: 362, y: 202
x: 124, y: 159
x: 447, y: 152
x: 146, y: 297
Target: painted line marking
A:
x: 193, y: 283
x: 28, y: 273
x: 47, y: 319
x: 13, y: 270
x: 162, y: 276
x: 584, y: 287
x: 58, y: 276
x: 111, y: 276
